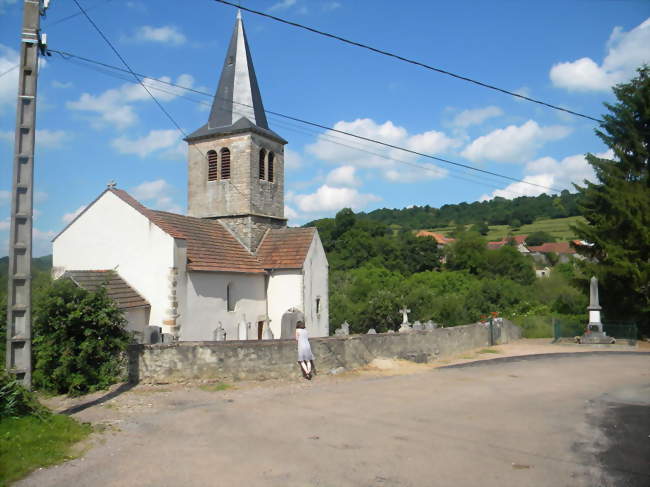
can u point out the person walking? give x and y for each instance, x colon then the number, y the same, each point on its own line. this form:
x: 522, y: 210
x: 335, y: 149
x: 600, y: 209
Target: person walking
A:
x: 305, y: 357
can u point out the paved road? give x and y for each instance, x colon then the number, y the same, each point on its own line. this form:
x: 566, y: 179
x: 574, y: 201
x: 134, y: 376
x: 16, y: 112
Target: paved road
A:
x: 579, y: 420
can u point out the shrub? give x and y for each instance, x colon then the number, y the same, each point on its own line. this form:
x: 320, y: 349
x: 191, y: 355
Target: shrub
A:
x: 79, y: 340
x: 17, y: 401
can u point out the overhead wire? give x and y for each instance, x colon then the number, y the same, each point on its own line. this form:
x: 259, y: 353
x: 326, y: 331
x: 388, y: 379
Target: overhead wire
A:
x: 67, y: 55
x: 141, y: 83
x: 407, y: 60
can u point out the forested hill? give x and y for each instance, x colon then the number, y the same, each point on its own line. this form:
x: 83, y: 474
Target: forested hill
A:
x: 498, y: 211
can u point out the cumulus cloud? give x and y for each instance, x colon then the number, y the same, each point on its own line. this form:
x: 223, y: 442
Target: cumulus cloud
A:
x: 476, y: 116
x: 157, y: 193
x: 328, y: 198
x: 62, y: 84
x: 166, y: 34
x: 44, y: 138
x: 551, y: 173
x: 282, y: 5
x: 68, y: 217
x: 9, y: 60
x: 343, y: 176
x: 425, y: 172
x: 292, y: 159
x: 513, y: 143
x: 154, y: 141
x: 115, y: 106
x: 347, y: 150
x: 626, y: 51
x: 290, y: 213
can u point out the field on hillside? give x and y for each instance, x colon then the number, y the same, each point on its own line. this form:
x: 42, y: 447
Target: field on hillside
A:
x: 558, y: 227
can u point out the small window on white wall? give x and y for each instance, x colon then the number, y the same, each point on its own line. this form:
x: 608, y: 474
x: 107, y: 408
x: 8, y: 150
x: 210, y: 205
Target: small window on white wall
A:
x: 317, y: 305
x: 230, y: 297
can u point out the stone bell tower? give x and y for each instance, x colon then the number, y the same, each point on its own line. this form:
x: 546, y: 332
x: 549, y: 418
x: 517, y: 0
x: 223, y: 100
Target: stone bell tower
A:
x: 235, y: 161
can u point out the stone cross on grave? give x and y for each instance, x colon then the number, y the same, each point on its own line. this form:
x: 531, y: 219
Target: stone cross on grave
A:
x: 405, y: 317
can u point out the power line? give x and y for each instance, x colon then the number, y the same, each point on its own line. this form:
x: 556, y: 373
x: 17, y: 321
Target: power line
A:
x: 66, y: 55
x: 137, y: 78
x: 407, y: 60
x: 9, y: 70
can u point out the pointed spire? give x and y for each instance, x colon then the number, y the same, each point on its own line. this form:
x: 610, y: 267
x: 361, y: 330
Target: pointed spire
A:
x: 238, y: 95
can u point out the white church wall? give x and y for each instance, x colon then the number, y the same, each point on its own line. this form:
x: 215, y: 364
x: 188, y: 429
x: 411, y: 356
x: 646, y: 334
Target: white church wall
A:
x: 284, y: 291
x: 316, y: 288
x: 113, y: 235
x: 206, y: 304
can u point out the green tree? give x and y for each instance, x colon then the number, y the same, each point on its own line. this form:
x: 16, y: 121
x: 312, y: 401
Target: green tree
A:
x: 79, y: 339
x: 539, y: 237
x: 510, y: 263
x: 617, y: 206
x: 468, y: 252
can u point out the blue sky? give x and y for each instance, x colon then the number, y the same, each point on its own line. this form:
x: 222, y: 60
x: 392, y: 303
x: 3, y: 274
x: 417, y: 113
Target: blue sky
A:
x: 93, y: 128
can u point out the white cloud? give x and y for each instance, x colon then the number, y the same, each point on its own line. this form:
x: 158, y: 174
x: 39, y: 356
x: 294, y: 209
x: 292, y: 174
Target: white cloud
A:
x: 513, y: 143
x: 154, y: 141
x: 115, y: 106
x: 5, y: 3
x: 61, y: 84
x: 282, y: 5
x: 290, y: 213
x: 329, y: 6
x: 343, y: 176
x: 292, y: 159
x: 68, y: 217
x: 551, y: 173
x: 347, y: 150
x: 413, y: 175
x: 157, y: 192
x: 165, y: 35
x: 9, y: 60
x: 626, y: 51
x: 328, y: 198
x: 5, y: 196
x: 476, y: 116
x: 42, y: 242
x: 51, y: 138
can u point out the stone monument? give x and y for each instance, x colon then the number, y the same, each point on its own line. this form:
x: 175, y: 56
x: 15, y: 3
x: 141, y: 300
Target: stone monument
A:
x: 219, y: 333
x: 344, y: 330
x: 406, y: 327
x: 372, y: 331
x: 417, y: 326
x: 594, y: 333
x: 267, y: 334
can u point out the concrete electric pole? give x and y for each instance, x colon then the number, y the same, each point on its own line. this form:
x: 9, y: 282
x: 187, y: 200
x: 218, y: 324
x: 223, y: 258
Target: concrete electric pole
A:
x: 19, y: 299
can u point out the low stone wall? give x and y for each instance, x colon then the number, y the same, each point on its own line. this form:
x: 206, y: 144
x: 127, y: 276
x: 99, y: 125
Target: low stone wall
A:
x: 271, y: 359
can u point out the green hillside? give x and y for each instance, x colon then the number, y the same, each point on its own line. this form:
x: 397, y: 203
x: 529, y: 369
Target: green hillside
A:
x: 557, y: 227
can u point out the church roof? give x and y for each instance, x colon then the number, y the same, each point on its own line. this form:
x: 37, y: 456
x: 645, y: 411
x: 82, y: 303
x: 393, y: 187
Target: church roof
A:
x: 237, y: 105
x: 285, y: 248
x: 116, y: 287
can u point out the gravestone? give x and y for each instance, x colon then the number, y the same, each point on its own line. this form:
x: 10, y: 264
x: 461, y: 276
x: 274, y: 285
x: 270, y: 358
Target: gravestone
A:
x: 372, y: 331
x: 405, y: 327
x: 417, y: 326
x: 344, y: 329
x: 219, y: 334
x: 430, y: 325
x: 595, y: 333
x: 267, y: 333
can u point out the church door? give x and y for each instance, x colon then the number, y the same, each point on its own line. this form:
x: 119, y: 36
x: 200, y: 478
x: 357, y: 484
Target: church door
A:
x: 260, y: 329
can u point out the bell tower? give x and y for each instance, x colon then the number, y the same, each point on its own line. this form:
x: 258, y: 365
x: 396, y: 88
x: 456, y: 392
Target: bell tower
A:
x: 235, y: 161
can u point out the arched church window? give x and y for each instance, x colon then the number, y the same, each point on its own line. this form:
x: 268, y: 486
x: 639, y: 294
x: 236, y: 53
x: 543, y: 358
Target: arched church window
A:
x: 230, y: 297
x: 225, y: 163
x: 262, y: 157
x: 270, y: 166
x: 213, y: 161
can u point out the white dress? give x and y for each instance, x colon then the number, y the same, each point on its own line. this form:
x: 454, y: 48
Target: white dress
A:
x: 304, y: 350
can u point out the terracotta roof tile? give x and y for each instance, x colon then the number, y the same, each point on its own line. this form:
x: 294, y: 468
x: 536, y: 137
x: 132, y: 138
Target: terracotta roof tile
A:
x: 210, y: 246
x: 116, y: 287
x: 285, y: 248
x: 438, y: 237
x: 556, y: 247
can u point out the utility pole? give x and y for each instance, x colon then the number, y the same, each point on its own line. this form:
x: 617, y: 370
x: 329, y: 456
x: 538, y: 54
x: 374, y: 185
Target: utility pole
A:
x: 19, y: 298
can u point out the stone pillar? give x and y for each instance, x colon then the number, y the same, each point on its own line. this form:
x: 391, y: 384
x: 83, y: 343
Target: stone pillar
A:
x: 171, y: 313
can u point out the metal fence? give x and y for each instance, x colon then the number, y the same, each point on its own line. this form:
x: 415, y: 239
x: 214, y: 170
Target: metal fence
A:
x: 619, y: 330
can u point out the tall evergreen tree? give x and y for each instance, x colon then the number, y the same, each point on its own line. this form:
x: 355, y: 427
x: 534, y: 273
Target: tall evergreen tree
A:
x: 617, y: 206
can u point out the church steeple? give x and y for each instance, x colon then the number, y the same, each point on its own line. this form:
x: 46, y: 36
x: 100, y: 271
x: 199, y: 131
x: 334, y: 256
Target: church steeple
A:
x: 235, y: 162
x: 237, y: 105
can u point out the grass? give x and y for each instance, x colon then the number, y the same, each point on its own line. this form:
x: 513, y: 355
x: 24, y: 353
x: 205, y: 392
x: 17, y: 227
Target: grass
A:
x: 558, y: 227
x: 29, y: 442
x: 219, y: 386
x: 488, y: 350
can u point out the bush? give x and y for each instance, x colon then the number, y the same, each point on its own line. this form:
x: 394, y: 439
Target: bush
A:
x: 539, y: 237
x: 15, y: 400
x: 79, y: 340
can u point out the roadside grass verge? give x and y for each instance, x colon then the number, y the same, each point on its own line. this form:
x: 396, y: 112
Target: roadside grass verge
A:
x: 30, y: 442
x: 219, y: 386
x: 488, y: 350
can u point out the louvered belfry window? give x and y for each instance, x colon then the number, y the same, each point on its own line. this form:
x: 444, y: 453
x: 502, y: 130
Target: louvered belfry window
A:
x: 225, y: 163
x: 213, y: 166
x: 262, y: 161
x: 270, y: 166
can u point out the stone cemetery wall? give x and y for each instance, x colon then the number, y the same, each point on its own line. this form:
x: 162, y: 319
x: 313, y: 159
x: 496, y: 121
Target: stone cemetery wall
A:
x: 271, y: 359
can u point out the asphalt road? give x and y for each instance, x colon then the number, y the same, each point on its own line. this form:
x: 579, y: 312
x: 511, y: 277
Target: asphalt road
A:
x: 579, y: 420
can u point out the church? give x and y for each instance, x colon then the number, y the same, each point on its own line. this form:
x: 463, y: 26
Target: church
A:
x: 231, y: 268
